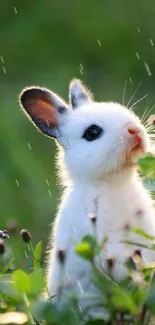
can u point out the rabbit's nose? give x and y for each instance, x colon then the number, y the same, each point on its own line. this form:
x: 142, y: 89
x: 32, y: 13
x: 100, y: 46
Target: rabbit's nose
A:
x: 136, y: 138
x: 135, y: 132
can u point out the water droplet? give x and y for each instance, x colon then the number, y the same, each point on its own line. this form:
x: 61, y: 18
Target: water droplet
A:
x: 137, y: 54
x: 81, y: 66
x: 80, y: 287
x: 49, y: 192
x: 26, y: 255
x: 151, y: 42
x: 47, y: 182
x: 70, y: 141
x: 138, y: 29
x: 2, y: 59
x: 4, y: 70
x: 99, y: 42
x: 17, y: 182
x: 147, y: 69
x: 80, y: 308
x: 29, y: 146
x: 68, y: 276
x: 73, y: 230
x: 81, y: 71
x: 15, y: 10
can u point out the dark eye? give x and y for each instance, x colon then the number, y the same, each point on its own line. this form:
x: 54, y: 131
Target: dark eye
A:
x: 93, y: 132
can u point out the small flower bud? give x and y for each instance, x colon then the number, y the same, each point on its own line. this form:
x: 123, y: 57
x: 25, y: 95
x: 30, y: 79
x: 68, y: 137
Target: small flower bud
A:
x: 93, y: 218
x: 110, y: 263
x: 127, y: 227
x: 139, y: 213
x: 61, y: 256
x: 2, y: 247
x: 137, y: 257
x: 131, y: 264
x: 26, y: 236
x: 4, y: 234
x: 137, y: 252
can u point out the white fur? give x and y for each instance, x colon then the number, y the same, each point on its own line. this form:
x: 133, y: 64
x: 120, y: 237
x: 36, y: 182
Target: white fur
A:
x: 99, y: 177
x: 99, y: 173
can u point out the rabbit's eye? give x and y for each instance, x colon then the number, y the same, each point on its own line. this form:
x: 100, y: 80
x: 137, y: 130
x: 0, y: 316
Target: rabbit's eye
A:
x: 93, y: 132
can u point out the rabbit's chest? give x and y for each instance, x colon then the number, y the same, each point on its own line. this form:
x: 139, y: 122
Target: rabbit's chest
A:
x: 114, y: 214
x: 120, y: 210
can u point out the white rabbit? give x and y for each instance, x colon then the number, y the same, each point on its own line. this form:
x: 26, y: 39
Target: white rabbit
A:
x: 98, y: 144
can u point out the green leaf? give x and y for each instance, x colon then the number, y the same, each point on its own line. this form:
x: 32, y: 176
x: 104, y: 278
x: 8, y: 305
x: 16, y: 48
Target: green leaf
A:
x: 7, y: 266
x: 21, y: 281
x: 37, y: 282
x: 129, y: 242
x: 150, y: 301
x: 123, y: 299
x: 142, y: 233
x: 84, y: 250
x: 139, y: 295
x: 88, y: 239
x: 88, y: 248
x: 7, y: 290
x: 6, y: 287
x: 149, y: 268
x: 37, y: 254
x: 94, y: 244
x: 147, y: 165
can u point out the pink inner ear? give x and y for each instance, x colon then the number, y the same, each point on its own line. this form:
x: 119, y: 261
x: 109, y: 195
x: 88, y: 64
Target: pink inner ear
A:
x: 43, y: 110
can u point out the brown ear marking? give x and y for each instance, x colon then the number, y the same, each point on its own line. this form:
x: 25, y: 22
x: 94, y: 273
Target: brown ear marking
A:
x: 37, y: 102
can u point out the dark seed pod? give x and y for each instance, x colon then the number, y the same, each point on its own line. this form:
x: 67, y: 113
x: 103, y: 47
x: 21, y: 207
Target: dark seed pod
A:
x: 26, y: 236
x: 131, y: 264
x: 93, y: 218
x: 137, y: 257
x: 110, y: 263
x: 61, y: 256
x: 127, y: 227
x: 137, y: 252
x: 139, y: 213
x: 2, y: 246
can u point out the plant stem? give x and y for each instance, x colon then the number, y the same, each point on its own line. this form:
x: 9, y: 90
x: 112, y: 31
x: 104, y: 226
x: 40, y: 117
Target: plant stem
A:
x: 27, y: 304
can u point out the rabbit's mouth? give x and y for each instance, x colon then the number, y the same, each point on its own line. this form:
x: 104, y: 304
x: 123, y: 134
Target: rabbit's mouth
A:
x: 141, y: 146
x: 137, y: 149
x: 137, y: 141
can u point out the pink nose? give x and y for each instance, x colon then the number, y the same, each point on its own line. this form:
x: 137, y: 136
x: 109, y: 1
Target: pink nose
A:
x: 135, y: 132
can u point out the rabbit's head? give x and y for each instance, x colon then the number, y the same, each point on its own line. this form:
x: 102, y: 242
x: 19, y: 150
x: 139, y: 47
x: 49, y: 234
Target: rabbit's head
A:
x: 97, y: 138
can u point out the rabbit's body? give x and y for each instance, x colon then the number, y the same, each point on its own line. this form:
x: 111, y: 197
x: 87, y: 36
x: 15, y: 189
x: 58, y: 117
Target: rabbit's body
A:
x: 99, y: 141
x: 121, y: 202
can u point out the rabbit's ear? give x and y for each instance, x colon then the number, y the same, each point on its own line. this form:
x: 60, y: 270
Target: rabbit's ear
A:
x: 44, y: 108
x: 78, y: 94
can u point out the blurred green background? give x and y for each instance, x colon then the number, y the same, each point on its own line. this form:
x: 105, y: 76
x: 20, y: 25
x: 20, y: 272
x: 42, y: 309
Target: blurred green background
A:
x: 47, y: 43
